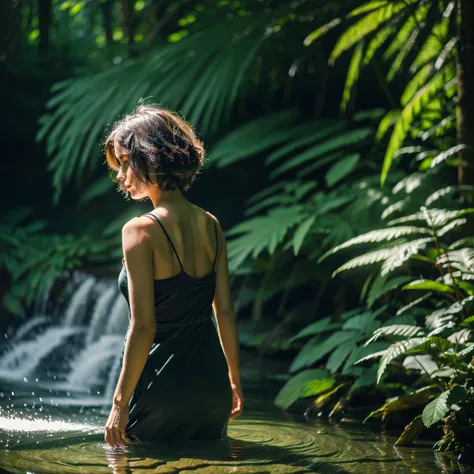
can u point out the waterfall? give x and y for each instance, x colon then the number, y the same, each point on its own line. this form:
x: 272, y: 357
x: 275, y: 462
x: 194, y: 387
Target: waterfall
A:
x: 118, y: 319
x: 94, y: 362
x: 25, y: 356
x: 77, y: 307
x: 77, y: 351
x: 28, y: 327
x: 101, y: 314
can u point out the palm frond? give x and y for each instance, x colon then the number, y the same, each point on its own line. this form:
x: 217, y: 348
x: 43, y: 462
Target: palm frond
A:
x: 351, y: 137
x: 365, y: 26
x: 403, y: 35
x: 199, y: 76
x: 411, y: 110
x: 352, y: 74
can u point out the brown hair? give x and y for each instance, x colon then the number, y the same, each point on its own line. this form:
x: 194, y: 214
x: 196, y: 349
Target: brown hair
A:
x: 159, y: 143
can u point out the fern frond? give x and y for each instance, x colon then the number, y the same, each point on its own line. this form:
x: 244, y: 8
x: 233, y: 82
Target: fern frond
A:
x: 380, y: 235
x: 447, y: 190
x: 261, y: 233
x: 397, y: 330
x: 403, y: 253
x: 396, y: 206
x: 462, y: 259
x: 443, y: 156
x: 397, y: 253
x: 396, y: 350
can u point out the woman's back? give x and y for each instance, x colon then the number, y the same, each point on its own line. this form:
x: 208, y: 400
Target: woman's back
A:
x: 187, y: 241
x: 181, y: 297
x: 186, y: 359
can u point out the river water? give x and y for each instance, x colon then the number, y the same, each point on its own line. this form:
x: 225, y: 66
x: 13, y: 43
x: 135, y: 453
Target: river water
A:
x: 57, y: 373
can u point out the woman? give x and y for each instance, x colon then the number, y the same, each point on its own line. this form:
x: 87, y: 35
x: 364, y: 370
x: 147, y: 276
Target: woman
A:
x: 180, y: 376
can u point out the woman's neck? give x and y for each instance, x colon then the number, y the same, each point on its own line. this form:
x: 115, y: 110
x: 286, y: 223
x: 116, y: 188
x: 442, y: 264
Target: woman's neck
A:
x: 171, y: 198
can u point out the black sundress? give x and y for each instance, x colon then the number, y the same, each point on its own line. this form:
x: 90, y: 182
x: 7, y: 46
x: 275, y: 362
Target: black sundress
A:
x: 184, y: 390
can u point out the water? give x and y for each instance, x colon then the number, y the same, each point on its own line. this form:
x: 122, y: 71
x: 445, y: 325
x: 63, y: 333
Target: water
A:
x: 55, y: 391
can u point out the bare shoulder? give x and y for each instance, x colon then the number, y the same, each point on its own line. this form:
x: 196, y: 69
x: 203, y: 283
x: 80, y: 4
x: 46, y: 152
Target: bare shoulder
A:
x: 137, y: 229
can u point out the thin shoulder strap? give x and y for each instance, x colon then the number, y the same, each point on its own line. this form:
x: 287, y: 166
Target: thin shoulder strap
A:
x: 166, y: 233
x: 217, y: 244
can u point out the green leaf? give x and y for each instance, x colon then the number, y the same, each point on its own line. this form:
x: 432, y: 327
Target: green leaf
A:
x: 319, y: 350
x: 313, y: 36
x: 436, y: 410
x: 301, y: 232
x: 404, y: 402
x: 337, y: 358
x: 352, y: 74
x: 317, y: 327
x: 315, y: 387
x: 341, y: 169
x: 468, y: 322
x: 293, y: 389
x: 428, y: 285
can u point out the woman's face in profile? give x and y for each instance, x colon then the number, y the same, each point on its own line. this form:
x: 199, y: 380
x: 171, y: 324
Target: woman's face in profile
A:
x: 129, y: 182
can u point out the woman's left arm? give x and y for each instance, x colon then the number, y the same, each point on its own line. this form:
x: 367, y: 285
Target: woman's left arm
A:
x: 138, y: 255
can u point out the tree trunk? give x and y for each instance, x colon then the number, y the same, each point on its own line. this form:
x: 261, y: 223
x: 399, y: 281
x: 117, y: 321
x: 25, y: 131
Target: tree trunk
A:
x: 465, y: 74
x: 107, y: 8
x: 127, y: 21
x: 44, y: 17
x: 10, y: 27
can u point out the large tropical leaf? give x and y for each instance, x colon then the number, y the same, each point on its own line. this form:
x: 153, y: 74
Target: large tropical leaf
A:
x: 200, y: 76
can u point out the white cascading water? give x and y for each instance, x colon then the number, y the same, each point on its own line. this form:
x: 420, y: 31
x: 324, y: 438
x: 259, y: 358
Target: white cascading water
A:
x: 93, y: 363
x: 101, y: 315
x: 98, y: 340
x: 117, y: 322
x: 75, y: 312
x: 24, y: 357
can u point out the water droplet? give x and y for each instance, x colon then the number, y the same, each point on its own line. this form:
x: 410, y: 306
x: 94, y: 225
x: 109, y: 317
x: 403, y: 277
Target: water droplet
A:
x: 25, y: 379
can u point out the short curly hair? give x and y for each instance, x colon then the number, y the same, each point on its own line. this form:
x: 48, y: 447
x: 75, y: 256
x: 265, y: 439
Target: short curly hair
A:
x: 159, y: 143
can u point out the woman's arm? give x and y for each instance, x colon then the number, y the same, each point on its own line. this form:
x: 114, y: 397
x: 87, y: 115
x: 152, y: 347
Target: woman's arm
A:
x: 226, y: 319
x: 138, y: 255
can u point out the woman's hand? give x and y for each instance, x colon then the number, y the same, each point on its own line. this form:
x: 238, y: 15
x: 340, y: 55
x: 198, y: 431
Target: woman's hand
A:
x: 237, y: 400
x: 115, y: 426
